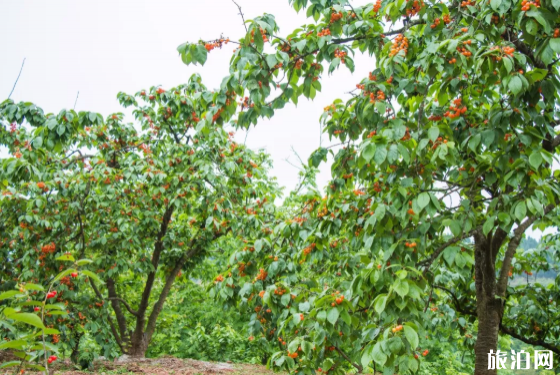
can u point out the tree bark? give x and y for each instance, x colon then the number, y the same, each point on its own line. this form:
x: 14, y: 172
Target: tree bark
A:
x: 489, y: 313
x: 489, y: 308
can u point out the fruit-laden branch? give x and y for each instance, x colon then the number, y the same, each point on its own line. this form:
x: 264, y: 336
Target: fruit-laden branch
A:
x: 535, y: 342
x: 111, y: 323
x: 512, y: 248
x: 357, y: 366
x: 524, y: 49
x: 361, y: 37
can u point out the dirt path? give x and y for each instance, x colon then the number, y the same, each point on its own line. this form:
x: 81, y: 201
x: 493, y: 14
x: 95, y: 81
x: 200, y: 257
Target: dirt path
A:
x: 165, y: 366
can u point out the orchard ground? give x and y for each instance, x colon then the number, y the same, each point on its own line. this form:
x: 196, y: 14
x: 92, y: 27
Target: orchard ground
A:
x: 164, y: 366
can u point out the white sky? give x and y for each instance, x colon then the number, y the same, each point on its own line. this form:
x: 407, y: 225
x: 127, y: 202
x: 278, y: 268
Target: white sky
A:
x: 105, y: 46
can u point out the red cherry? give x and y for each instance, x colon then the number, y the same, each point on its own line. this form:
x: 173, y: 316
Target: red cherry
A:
x: 51, y: 294
x: 37, y: 308
x: 74, y: 274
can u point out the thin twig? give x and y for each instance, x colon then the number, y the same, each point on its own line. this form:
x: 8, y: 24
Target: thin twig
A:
x: 76, y: 101
x: 17, y: 79
x: 242, y: 16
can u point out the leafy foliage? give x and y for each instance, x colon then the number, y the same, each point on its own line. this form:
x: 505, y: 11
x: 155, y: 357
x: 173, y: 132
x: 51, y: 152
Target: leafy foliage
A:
x: 29, y: 315
x: 445, y: 159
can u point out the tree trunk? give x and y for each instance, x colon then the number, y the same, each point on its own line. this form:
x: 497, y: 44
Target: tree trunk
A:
x: 138, y: 346
x: 487, y: 338
x: 488, y: 306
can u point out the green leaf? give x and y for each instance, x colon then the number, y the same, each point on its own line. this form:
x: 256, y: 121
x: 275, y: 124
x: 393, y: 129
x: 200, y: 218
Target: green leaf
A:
x: 27, y: 318
x: 200, y: 54
x: 271, y: 60
x: 495, y: 4
x: 258, y: 245
x: 377, y: 354
x: 65, y: 273
x: 14, y: 344
x: 304, y: 306
x: 401, y: 287
x: 54, y: 307
x: 423, y: 200
x: 460, y: 260
x: 65, y: 258
x: 380, y: 303
x: 322, y: 316
x: 535, y: 159
x: 521, y: 211
x: 515, y: 85
x: 380, y: 155
x: 423, y: 143
x: 368, y: 152
x: 508, y: 63
x: 488, y: 225
x: 334, y: 64
x: 366, y: 357
x: 9, y: 294
x: 449, y: 255
x: 332, y: 315
x: 10, y: 364
x: 433, y: 133
x: 532, y: 27
x: 83, y: 262
x: 92, y: 276
x: 30, y: 286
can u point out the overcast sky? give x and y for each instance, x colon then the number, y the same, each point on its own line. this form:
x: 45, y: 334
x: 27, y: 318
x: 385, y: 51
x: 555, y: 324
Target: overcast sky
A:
x: 105, y: 46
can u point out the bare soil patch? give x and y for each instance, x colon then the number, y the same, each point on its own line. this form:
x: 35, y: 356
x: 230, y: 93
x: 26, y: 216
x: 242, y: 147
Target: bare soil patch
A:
x: 163, y: 366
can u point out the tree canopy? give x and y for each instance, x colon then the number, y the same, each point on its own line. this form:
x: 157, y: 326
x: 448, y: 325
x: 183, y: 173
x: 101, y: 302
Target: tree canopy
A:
x: 444, y: 156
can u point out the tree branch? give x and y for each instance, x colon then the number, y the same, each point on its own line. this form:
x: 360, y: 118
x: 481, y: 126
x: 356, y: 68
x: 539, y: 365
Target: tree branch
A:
x: 158, y: 306
x: 524, y: 49
x: 17, y: 79
x: 456, y: 302
x: 535, y: 342
x: 130, y: 309
x: 111, y: 323
x: 121, y: 319
x: 76, y: 101
x: 512, y: 248
x: 550, y: 144
x: 428, y: 262
x: 357, y: 366
x: 155, y: 261
x: 242, y: 15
